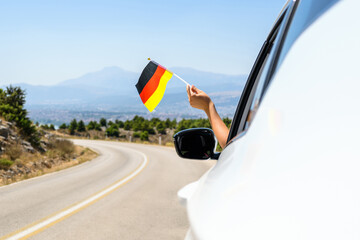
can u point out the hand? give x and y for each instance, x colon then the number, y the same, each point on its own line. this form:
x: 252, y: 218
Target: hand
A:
x: 198, y: 99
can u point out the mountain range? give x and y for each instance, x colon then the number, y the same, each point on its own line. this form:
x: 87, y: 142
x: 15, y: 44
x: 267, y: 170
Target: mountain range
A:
x: 112, y: 89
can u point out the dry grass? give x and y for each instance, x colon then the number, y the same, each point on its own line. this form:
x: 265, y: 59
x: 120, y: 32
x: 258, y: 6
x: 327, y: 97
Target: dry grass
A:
x: 62, y: 147
x: 82, y: 155
x: 14, y: 151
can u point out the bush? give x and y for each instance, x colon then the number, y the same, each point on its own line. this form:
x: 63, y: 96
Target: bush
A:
x: 63, y: 146
x: 136, y: 134
x: 14, y: 151
x: 144, y: 136
x: 5, y: 163
x: 112, y: 131
x: 151, y: 131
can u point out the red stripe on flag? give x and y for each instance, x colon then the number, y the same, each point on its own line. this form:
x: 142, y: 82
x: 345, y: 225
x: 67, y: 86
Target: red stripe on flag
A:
x: 152, y: 84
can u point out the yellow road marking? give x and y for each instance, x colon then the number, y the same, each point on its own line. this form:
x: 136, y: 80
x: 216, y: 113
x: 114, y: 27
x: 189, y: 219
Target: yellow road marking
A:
x: 56, y: 217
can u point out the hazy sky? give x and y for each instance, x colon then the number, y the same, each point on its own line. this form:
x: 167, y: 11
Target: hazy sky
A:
x: 45, y: 42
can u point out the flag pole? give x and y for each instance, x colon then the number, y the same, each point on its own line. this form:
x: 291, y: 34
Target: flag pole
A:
x: 181, y: 79
x: 177, y: 77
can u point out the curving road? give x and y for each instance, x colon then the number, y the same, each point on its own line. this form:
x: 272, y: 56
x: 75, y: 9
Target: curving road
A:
x: 128, y: 192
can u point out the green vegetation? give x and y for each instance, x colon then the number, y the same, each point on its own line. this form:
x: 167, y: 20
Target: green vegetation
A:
x: 144, y: 136
x: 81, y: 126
x: 12, y: 101
x: 72, y: 127
x: 48, y: 127
x: 113, y: 131
x: 93, y: 125
x: 5, y: 163
x: 103, y: 122
x: 139, y: 128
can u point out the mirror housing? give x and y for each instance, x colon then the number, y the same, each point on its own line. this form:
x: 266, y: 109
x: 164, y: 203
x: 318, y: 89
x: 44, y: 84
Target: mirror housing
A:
x: 196, y: 143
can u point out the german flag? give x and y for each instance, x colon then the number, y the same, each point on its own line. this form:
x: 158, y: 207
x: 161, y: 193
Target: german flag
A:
x: 152, y: 84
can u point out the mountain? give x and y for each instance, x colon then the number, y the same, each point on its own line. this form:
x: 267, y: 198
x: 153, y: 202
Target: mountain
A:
x: 113, y: 90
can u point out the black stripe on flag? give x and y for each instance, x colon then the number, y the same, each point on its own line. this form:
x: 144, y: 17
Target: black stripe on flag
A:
x: 146, y: 75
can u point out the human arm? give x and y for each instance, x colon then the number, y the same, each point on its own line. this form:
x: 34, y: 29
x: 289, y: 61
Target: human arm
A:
x: 200, y: 100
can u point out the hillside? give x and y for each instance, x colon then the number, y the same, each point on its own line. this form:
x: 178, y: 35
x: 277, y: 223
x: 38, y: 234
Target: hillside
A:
x: 27, y: 151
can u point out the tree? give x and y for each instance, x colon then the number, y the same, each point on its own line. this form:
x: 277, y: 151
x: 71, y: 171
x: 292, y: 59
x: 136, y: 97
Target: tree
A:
x: 103, y: 122
x: 73, y: 126
x: 161, y: 128
x: 120, y: 124
x: 63, y: 126
x: 127, y: 125
x: 81, y: 126
x: 154, y: 122
x: 173, y: 123
x: 12, y: 101
x: 91, y: 125
x: 227, y: 121
x: 168, y: 123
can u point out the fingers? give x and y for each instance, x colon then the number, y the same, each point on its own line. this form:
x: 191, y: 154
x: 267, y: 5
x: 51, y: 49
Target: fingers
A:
x: 195, y: 89
x: 188, y: 91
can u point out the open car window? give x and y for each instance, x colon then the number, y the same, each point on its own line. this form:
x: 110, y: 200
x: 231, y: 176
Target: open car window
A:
x: 260, y: 74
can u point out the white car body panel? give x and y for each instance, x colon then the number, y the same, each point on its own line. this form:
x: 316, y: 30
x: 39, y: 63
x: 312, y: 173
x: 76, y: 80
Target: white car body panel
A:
x: 296, y: 173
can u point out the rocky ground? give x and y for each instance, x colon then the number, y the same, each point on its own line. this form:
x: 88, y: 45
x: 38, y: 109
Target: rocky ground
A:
x: 20, y: 160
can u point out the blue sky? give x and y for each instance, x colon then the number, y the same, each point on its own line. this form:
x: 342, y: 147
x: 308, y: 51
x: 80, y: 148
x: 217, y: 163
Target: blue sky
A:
x: 45, y: 42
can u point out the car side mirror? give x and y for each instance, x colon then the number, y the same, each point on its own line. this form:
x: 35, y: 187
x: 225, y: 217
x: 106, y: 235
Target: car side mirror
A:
x: 196, y: 143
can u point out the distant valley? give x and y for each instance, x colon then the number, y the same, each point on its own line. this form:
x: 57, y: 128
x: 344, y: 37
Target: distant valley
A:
x: 111, y: 93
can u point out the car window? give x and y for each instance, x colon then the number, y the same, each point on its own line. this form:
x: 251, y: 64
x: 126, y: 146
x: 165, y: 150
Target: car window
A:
x: 307, y: 14
x: 259, y: 77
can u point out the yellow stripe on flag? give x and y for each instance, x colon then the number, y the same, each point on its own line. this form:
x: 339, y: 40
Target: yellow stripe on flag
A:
x: 155, y: 99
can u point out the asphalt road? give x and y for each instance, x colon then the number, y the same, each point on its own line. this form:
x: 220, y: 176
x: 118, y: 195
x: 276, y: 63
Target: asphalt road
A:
x: 128, y: 192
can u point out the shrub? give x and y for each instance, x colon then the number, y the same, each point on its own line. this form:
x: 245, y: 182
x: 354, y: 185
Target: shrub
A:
x: 14, y: 151
x: 151, y: 131
x: 136, y: 134
x: 144, y: 136
x: 63, y: 146
x: 5, y: 163
x: 112, y: 131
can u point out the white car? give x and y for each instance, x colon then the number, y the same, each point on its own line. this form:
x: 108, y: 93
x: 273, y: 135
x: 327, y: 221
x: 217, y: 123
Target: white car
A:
x: 291, y: 168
